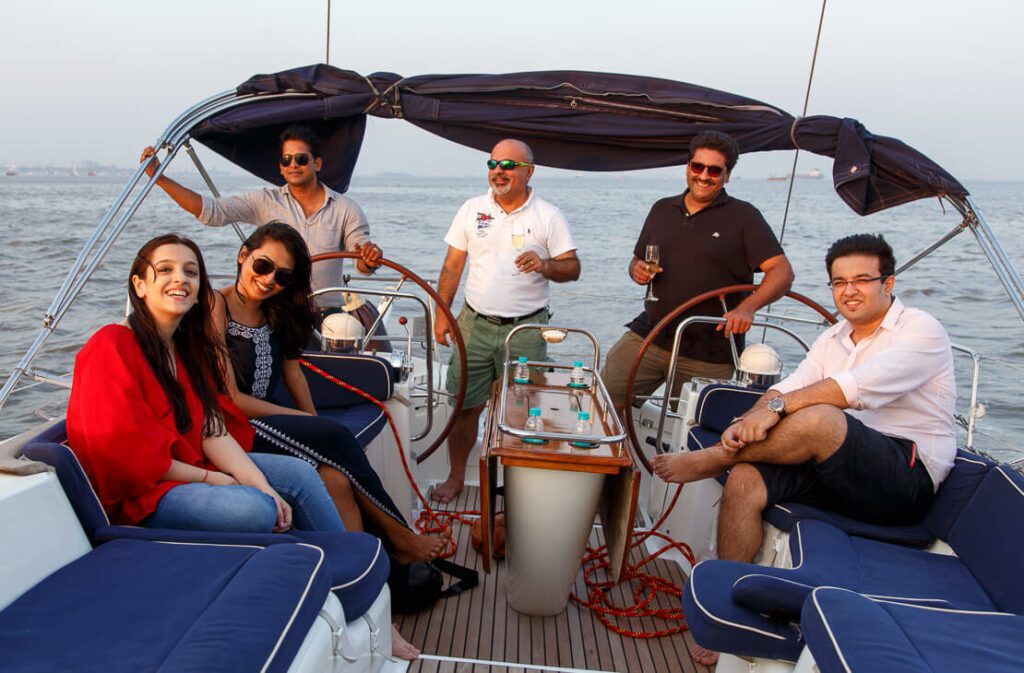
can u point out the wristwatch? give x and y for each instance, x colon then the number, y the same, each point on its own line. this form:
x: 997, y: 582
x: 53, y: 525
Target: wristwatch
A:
x: 778, y: 405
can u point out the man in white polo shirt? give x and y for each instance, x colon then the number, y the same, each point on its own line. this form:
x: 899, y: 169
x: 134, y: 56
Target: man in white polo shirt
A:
x: 516, y: 243
x: 863, y: 427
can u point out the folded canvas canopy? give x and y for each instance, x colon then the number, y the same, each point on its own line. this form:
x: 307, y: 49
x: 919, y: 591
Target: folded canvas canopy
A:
x: 581, y: 121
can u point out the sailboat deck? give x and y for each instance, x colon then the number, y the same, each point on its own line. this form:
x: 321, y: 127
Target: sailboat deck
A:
x: 477, y: 632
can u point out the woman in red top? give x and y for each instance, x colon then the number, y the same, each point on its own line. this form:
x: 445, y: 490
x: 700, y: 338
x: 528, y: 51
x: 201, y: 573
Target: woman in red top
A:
x: 150, y: 420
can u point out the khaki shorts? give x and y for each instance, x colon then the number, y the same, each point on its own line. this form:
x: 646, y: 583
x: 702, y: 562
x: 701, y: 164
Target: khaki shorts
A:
x: 485, y: 346
x: 653, y: 369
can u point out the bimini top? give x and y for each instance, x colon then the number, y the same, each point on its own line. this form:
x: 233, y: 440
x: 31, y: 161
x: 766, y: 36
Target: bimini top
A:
x: 582, y: 121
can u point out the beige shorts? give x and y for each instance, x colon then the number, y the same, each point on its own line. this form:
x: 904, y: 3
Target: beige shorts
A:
x: 653, y: 369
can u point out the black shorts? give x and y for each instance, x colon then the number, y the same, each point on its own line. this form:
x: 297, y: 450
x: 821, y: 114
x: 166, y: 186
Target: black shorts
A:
x: 872, y: 477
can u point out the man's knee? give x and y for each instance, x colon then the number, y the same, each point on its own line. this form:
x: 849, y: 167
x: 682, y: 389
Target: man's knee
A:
x: 745, y: 486
x: 824, y: 423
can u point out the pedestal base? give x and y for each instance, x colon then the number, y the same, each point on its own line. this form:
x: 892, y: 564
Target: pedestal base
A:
x: 549, y: 516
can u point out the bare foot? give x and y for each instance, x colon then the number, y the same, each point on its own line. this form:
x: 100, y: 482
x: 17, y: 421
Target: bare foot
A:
x: 413, y: 547
x: 448, y: 491
x: 686, y: 466
x: 703, y: 656
x: 403, y: 649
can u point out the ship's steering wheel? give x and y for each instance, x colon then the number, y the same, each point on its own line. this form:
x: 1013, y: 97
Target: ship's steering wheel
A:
x: 460, y: 395
x: 720, y: 293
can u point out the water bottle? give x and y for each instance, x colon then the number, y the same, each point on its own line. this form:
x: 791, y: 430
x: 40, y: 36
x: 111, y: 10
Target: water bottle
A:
x: 522, y: 372
x: 578, y: 378
x: 583, y: 428
x: 534, y: 423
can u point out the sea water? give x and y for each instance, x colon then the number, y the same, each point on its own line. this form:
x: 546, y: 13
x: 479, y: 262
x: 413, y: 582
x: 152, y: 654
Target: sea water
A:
x: 47, y: 220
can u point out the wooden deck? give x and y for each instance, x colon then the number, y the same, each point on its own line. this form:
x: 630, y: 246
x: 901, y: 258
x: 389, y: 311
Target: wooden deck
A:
x: 478, y: 625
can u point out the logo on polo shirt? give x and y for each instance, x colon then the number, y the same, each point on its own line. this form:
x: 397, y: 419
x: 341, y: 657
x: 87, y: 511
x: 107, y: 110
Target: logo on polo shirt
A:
x: 483, y: 223
x: 714, y: 235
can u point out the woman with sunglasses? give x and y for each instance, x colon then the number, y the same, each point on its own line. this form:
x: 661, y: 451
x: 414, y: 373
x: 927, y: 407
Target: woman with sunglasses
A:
x: 150, y: 420
x: 266, y: 318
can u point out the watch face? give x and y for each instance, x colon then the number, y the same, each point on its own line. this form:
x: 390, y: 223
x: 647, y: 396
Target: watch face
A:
x: 776, y: 404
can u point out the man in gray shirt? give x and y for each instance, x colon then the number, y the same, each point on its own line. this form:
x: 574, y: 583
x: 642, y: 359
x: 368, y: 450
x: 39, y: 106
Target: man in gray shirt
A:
x: 327, y: 220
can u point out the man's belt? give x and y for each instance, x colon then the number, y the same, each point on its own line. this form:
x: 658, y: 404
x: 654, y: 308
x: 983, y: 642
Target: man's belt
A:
x: 500, y: 320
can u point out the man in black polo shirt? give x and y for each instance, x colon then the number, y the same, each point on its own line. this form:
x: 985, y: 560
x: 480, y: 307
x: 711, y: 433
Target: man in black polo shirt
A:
x: 706, y: 240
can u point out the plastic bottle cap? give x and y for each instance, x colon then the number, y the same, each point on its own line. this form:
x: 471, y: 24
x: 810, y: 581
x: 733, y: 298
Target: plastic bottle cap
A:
x: 584, y: 416
x: 523, y: 359
x: 578, y: 363
x: 535, y: 411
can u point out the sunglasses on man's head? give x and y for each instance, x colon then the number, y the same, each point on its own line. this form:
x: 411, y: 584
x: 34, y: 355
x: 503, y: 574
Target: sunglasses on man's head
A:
x: 714, y: 171
x: 300, y: 159
x: 505, y: 164
x: 263, y: 266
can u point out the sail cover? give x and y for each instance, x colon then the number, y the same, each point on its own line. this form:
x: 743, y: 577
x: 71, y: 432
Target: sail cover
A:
x: 582, y: 121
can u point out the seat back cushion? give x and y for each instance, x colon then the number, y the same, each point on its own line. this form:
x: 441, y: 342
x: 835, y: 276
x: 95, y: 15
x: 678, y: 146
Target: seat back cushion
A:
x: 73, y: 480
x: 968, y: 471
x: 719, y: 403
x: 133, y: 605
x: 369, y: 373
x: 988, y: 537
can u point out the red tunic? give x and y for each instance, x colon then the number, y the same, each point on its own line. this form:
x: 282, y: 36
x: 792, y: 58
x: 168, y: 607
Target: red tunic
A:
x: 121, y: 425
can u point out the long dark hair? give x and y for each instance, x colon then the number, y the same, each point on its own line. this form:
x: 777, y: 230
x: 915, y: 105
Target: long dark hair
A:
x: 195, y: 341
x: 290, y: 312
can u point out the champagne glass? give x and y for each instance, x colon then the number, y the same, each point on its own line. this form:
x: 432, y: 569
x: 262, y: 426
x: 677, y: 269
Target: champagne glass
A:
x: 518, y: 242
x: 652, y: 257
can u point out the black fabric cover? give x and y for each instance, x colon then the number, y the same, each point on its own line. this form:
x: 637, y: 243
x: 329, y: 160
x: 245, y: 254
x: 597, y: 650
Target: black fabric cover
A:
x: 582, y: 121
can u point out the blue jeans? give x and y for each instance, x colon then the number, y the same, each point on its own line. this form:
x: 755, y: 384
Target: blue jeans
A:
x: 244, y: 509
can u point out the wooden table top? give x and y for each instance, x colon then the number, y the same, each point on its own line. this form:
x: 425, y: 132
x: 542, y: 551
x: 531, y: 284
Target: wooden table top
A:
x: 559, y: 406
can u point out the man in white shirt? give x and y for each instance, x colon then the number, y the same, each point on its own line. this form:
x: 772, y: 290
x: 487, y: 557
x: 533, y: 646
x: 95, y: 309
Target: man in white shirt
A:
x: 516, y: 244
x: 863, y: 427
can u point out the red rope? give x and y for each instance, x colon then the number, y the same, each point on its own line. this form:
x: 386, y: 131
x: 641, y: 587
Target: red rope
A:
x: 646, y: 586
x: 429, y: 521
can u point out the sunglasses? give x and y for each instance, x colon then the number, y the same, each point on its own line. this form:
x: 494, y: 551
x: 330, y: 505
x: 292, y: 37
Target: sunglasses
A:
x: 263, y: 266
x: 505, y: 164
x: 300, y: 159
x: 713, y: 171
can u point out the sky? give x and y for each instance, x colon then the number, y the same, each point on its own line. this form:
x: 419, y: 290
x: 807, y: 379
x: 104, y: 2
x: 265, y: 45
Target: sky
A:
x: 100, y: 80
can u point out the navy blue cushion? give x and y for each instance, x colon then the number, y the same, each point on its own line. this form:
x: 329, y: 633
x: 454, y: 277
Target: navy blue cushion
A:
x: 72, y: 478
x: 359, y: 567
x: 848, y: 633
x: 369, y: 373
x: 719, y: 404
x: 785, y: 515
x: 364, y: 420
x: 989, y: 537
x: 701, y: 438
x: 969, y: 469
x: 719, y: 624
x: 132, y: 605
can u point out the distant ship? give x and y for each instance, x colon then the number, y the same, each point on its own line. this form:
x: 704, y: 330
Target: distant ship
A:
x: 814, y: 174
x: 10, y: 170
x: 74, y: 171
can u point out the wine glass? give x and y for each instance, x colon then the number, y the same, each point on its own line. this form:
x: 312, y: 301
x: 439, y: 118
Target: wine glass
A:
x: 652, y: 258
x: 518, y: 242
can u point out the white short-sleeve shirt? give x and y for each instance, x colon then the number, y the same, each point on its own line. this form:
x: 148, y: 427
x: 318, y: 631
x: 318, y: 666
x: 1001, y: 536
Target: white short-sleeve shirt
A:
x: 483, y: 230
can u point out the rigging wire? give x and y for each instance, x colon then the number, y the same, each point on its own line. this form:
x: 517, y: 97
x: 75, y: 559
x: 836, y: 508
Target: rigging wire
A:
x: 807, y: 99
x: 327, y: 58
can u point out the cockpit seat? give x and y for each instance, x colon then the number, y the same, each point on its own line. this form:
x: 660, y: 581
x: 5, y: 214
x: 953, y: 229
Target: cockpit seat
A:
x: 969, y: 469
x: 356, y: 563
x: 849, y: 633
x: 369, y: 373
x: 133, y: 605
x: 718, y: 405
x: 749, y: 610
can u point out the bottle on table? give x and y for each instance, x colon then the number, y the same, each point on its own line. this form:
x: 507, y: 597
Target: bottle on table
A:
x: 583, y: 423
x: 522, y: 372
x: 578, y: 377
x: 536, y: 424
